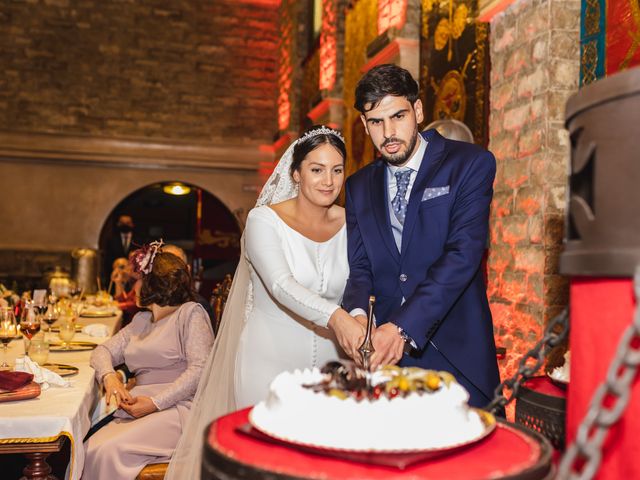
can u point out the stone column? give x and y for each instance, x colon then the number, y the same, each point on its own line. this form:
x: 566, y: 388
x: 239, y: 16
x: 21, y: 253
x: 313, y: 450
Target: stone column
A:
x: 535, y: 67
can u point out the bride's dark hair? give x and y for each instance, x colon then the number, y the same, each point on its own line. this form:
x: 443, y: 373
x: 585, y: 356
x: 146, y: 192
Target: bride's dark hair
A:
x: 309, y: 142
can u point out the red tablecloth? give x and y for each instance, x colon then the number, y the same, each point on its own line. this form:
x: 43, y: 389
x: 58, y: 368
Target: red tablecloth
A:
x: 507, y: 451
x: 543, y: 384
x: 601, y: 310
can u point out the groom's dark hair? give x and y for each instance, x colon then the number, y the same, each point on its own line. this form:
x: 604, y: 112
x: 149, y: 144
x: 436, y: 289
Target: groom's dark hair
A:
x: 381, y: 81
x: 308, y: 143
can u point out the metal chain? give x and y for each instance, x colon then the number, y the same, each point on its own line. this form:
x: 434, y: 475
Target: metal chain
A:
x: 582, y: 459
x: 551, y: 339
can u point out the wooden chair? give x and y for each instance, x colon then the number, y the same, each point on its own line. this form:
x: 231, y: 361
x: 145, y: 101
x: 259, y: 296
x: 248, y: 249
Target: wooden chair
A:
x: 157, y: 471
x: 153, y: 471
x: 219, y: 299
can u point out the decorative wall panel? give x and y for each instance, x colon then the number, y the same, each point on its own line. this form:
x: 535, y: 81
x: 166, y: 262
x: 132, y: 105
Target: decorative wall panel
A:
x: 454, y: 64
x: 328, y: 45
x: 592, y: 41
x: 361, y: 28
x: 609, y: 38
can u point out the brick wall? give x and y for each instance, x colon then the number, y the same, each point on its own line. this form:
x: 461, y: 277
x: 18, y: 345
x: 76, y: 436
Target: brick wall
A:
x: 535, y: 65
x: 191, y: 70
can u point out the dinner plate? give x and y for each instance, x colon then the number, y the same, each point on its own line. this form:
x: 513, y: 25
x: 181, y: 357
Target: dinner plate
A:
x: 61, y: 369
x: 72, y: 346
x: 56, y: 328
x: 98, y: 314
x: 487, y: 419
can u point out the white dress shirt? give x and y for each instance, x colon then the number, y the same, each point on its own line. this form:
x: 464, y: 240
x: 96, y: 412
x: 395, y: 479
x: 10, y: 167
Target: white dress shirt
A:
x: 414, y: 165
x: 126, y: 241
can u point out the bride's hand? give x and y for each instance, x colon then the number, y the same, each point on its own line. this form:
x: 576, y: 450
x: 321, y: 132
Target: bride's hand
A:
x: 349, y: 332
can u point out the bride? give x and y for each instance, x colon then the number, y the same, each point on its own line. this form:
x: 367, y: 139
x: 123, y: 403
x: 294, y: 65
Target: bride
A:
x: 283, y: 311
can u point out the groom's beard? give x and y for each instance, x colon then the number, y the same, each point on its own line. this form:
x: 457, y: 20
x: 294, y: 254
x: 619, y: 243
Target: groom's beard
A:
x: 399, y: 158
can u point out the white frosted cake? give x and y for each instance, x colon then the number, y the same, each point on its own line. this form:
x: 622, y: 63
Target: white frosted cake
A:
x: 398, y: 409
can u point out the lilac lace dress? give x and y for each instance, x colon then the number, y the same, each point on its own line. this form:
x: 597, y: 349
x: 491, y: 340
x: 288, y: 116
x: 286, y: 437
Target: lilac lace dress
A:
x: 166, y: 358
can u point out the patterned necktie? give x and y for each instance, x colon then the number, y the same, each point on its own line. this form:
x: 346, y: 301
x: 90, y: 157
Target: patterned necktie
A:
x: 399, y: 202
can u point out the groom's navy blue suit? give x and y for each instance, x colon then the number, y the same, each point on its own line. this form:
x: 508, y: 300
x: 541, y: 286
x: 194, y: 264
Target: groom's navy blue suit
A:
x: 437, y: 271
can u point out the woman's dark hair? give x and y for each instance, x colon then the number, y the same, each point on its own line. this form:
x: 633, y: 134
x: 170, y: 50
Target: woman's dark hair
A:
x: 168, y: 283
x: 384, y: 80
x: 310, y: 143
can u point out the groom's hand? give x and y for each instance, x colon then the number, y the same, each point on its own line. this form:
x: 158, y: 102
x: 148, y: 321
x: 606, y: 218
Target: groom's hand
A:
x: 388, y: 345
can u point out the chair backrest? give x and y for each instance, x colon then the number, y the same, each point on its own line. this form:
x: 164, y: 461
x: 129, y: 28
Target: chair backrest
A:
x: 219, y: 299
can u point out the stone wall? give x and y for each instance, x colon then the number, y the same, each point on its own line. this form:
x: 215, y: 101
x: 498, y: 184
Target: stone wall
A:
x: 196, y: 69
x: 535, y: 66
x: 101, y: 98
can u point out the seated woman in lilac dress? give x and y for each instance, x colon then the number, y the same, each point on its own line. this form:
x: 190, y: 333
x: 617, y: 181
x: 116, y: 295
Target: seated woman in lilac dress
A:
x: 166, y: 349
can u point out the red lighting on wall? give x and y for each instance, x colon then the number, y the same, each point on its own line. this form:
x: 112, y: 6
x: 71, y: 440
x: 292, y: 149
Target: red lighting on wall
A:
x: 391, y: 13
x: 328, y: 46
x: 285, y: 72
x: 284, y: 103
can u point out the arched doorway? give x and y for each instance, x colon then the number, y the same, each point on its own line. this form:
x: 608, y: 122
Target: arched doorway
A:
x: 187, y: 216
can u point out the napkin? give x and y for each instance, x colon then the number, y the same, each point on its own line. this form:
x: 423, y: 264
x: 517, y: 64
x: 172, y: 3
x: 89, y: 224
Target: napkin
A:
x: 41, y: 375
x: 96, y: 330
x: 13, y: 380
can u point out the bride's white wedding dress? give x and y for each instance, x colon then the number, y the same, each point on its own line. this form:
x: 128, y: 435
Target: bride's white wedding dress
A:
x: 297, y: 285
x: 284, y: 290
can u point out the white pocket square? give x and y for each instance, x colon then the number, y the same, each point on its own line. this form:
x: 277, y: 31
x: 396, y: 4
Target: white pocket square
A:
x: 434, y: 192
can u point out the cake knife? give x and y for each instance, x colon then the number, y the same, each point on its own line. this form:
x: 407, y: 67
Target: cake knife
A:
x: 366, y: 349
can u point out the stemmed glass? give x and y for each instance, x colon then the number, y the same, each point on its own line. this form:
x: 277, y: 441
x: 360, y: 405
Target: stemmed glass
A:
x: 78, y: 308
x: 51, y: 316
x: 29, y: 324
x: 66, y: 333
x: 8, y: 331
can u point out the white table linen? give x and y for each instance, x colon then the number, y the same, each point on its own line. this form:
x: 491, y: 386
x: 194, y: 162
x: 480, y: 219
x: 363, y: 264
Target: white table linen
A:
x: 58, y: 410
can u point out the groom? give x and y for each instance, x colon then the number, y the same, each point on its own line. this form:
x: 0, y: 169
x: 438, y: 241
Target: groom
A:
x: 417, y: 223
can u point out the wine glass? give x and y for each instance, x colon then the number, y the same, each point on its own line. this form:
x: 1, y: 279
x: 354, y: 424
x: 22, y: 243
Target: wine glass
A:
x: 8, y: 331
x: 29, y: 324
x: 77, y: 308
x: 66, y: 333
x: 39, y: 351
x: 51, y: 316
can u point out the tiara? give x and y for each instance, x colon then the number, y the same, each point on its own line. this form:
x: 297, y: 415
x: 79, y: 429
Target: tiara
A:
x: 322, y: 131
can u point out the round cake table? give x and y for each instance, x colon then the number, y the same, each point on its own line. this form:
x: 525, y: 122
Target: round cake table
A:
x: 510, y: 452
x: 541, y: 406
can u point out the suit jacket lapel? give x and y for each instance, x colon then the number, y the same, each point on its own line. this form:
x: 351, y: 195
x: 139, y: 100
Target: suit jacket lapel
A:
x: 380, y: 203
x: 433, y: 156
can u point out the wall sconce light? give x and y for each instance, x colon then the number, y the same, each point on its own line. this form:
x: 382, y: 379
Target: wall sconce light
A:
x: 176, y: 188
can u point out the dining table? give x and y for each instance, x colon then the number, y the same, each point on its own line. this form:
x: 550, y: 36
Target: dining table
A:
x: 38, y: 426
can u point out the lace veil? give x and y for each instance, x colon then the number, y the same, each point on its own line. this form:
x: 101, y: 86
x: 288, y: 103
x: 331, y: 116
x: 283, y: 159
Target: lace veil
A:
x: 215, y: 395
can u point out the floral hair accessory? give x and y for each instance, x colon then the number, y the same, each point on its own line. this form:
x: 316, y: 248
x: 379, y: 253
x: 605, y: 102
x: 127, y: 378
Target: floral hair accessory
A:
x: 143, y: 258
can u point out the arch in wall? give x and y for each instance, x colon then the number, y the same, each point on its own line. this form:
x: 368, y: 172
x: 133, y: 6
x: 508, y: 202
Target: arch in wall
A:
x: 197, y: 221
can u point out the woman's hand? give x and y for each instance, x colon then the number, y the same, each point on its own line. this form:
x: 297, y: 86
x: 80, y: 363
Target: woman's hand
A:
x: 113, y: 386
x: 349, y: 332
x: 140, y: 406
